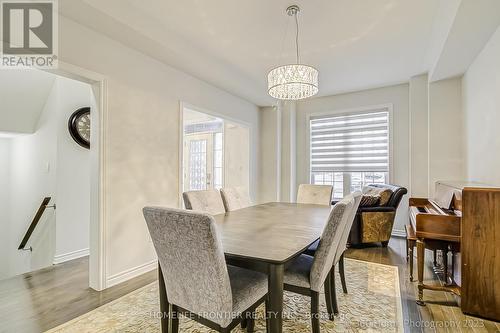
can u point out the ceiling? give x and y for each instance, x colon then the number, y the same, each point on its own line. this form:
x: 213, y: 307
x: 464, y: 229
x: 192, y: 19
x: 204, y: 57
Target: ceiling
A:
x: 194, y: 117
x: 19, y: 114
x: 355, y: 44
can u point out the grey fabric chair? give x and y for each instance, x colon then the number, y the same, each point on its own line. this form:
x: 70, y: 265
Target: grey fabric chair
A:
x: 306, y: 274
x: 339, y: 256
x: 315, y: 194
x: 194, y: 278
x: 208, y: 201
x: 235, y: 198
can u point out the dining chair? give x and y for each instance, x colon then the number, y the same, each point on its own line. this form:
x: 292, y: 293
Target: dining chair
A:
x: 208, y: 201
x: 306, y: 274
x: 339, y: 256
x: 315, y: 194
x: 235, y: 198
x: 194, y: 278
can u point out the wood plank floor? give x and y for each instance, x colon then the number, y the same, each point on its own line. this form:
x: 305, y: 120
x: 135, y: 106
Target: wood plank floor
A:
x: 441, y: 313
x: 38, y: 301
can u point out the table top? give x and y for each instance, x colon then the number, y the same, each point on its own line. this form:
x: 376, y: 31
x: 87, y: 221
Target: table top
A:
x: 272, y: 232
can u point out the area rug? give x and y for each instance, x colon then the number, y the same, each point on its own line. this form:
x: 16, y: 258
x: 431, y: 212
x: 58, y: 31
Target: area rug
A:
x: 372, y: 304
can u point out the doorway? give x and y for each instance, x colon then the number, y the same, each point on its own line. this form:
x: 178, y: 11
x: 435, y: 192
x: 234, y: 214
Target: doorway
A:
x: 52, y: 171
x: 215, y: 151
x: 45, y: 172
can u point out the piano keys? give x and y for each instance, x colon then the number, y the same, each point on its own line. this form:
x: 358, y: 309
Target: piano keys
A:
x: 462, y: 218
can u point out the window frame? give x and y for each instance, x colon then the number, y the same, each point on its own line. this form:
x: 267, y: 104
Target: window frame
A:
x: 353, y: 111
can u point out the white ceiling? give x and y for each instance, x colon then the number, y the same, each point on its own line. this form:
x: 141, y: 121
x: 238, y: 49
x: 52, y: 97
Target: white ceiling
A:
x: 23, y: 94
x: 355, y: 44
x: 194, y: 117
x: 473, y: 24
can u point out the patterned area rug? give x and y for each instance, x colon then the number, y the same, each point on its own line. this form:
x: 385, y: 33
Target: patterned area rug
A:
x: 373, y: 304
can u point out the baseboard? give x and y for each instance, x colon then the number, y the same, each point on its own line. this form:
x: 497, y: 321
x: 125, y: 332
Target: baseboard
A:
x: 131, y: 273
x: 60, y: 258
x: 398, y: 233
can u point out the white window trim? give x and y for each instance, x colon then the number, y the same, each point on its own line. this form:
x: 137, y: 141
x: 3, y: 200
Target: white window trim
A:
x: 353, y: 111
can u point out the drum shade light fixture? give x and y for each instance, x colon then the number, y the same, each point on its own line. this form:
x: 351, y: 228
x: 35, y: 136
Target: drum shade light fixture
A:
x: 294, y: 81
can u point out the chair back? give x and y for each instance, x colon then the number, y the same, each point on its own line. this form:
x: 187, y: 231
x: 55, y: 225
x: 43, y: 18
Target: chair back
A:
x: 191, y: 258
x: 315, y: 194
x: 347, y: 229
x: 235, y: 198
x: 208, y: 201
x: 329, y: 241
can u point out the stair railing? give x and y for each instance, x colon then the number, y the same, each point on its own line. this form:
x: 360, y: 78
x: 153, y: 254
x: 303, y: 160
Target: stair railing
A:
x: 43, y: 206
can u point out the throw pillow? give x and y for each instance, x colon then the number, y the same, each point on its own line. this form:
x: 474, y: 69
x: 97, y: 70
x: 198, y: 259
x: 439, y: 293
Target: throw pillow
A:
x: 384, y: 193
x: 369, y: 200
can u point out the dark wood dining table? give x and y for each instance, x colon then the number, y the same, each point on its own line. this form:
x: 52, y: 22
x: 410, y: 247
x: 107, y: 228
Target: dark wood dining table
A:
x: 268, y: 236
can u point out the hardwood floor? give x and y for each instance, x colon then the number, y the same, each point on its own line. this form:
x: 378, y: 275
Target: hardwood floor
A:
x: 38, y: 301
x: 441, y: 313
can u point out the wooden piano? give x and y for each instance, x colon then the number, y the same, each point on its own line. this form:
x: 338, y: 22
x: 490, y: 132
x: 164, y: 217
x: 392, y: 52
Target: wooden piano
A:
x: 464, y: 219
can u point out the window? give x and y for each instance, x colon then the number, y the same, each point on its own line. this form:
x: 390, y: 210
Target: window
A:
x: 197, y: 162
x: 350, y: 151
x: 218, y: 160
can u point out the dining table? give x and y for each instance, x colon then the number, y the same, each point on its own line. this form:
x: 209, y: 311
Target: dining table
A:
x: 267, y: 237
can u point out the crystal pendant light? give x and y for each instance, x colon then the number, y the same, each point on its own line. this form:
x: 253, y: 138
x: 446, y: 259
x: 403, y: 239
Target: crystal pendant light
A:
x: 294, y: 81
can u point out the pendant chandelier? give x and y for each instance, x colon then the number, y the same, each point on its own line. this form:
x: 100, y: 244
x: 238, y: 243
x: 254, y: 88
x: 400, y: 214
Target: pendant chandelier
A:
x: 294, y: 81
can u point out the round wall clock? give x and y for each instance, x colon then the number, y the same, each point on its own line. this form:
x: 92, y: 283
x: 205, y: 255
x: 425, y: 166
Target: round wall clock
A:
x: 79, y: 126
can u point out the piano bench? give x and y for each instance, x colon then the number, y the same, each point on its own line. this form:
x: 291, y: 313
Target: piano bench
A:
x: 411, y: 242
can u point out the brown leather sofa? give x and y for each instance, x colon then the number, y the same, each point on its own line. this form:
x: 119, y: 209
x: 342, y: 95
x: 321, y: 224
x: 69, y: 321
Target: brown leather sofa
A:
x: 374, y: 224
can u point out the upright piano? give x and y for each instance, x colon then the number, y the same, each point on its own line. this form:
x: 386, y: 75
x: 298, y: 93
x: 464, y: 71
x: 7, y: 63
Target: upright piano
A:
x: 462, y: 218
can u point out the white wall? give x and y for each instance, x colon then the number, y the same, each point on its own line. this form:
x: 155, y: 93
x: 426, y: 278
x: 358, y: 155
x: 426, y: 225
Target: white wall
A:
x: 398, y: 96
x: 49, y: 163
x: 419, y: 137
x: 20, y: 114
x: 436, y: 134
x: 73, y: 175
x: 4, y: 205
x: 33, y: 177
x: 286, y: 152
x: 267, y: 155
x: 481, y: 105
x: 446, y: 153
x: 236, y: 155
x: 142, y: 133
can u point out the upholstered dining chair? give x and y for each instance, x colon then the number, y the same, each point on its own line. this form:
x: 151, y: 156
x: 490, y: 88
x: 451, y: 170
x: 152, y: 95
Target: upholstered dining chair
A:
x: 315, y: 194
x: 208, y: 201
x: 193, y: 276
x: 235, y: 198
x: 306, y: 274
x: 339, y: 256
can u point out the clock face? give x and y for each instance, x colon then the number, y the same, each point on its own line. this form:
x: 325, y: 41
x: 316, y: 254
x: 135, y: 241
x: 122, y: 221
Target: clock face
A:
x: 83, y: 126
x: 79, y: 126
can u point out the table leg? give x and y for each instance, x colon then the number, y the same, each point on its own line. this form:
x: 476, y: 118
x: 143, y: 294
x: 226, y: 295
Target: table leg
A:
x: 420, y: 264
x: 275, y: 289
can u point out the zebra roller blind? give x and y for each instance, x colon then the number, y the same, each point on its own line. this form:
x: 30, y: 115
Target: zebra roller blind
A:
x: 350, y: 143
